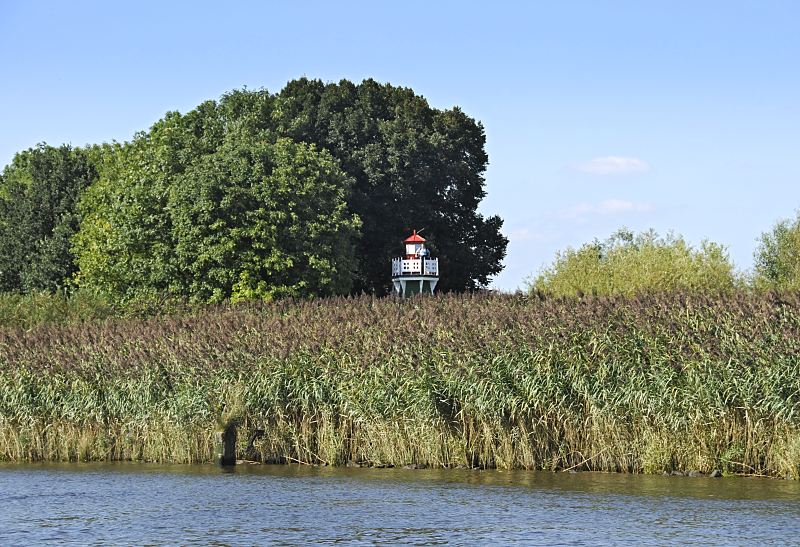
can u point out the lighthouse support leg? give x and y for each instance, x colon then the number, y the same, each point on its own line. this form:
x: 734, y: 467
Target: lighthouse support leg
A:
x: 406, y: 288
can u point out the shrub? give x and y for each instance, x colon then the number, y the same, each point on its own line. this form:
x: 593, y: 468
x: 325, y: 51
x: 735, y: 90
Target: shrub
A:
x: 777, y: 258
x: 29, y: 310
x: 628, y: 264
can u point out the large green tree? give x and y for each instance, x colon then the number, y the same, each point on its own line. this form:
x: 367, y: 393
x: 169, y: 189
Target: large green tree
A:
x: 259, y: 194
x: 211, y: 210
x: 39, y: 191
x: 414, y: 167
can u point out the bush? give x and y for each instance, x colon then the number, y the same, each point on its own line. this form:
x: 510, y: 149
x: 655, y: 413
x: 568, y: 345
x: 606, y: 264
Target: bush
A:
x: 628, y: 264
x: 777, y: 258
x: 29, y: 310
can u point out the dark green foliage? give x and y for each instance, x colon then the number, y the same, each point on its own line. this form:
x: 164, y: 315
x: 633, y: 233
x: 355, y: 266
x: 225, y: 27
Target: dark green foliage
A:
x: 38, y: 196
x: 257, y: 220
x: 414, y: 167
x: 177, y: 210
x: 653, y: 383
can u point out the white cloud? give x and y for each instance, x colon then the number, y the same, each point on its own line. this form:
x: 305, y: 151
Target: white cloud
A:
x: 614, y: 165
x: 525, y: 234
x: 605, y: 208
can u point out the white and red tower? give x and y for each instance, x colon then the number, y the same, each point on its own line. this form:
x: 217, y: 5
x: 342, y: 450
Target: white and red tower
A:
x: 416, y: 272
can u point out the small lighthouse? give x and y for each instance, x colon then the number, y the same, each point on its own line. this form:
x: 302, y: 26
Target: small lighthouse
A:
x: 415, y: 272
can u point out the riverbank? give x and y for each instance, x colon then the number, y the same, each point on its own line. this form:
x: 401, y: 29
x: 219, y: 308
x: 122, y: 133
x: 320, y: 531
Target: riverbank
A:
x: 651, y: 384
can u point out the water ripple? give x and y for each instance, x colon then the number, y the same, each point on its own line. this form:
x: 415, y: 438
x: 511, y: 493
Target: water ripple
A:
x: 136, y: 504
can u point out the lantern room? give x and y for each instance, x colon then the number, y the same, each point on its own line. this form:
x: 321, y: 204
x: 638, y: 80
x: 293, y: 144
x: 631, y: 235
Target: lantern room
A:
x: 416, y: 272
x: 415, y: 245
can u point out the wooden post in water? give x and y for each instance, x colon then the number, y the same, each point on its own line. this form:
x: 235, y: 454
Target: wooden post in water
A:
x: 225, y: 444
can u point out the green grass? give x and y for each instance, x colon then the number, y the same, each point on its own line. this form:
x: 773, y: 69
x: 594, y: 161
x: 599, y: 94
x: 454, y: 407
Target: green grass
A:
x: 644, y: 384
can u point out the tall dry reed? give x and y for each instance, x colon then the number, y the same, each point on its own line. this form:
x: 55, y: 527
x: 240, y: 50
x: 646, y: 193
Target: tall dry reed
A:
x: 646, y: 384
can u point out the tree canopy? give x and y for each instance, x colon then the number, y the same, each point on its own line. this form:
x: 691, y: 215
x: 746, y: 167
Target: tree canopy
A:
x: 414, y: 167
x: 777, y: 258
x: 39, y: 191
x: 628, y: 263
x: 250, y: 218
x: 307, y: 191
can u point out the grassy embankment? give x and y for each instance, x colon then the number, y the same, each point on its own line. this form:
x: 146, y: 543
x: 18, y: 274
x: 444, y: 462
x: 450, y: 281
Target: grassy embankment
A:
x: 648, y: 384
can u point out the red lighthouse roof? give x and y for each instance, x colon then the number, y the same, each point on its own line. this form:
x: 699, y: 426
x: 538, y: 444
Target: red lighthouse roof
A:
x: 414, y: 238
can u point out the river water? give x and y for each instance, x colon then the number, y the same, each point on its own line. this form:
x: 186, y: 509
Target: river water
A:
x: 142, y: 504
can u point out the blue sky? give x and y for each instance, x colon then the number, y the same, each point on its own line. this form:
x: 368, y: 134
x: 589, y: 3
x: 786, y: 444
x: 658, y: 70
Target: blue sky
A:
x: 681, y: 116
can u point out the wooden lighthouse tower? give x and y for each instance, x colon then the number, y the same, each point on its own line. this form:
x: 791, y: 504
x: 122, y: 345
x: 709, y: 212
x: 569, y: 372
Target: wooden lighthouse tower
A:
x: 415, y: 272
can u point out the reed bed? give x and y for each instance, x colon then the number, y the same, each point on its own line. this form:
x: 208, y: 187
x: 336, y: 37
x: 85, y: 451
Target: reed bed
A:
x: 655, y: 383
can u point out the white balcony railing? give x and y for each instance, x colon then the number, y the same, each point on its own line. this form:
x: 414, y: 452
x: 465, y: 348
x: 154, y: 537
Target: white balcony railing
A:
x: 415, y: 266
x: 431, y: 266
